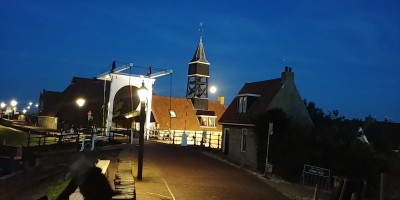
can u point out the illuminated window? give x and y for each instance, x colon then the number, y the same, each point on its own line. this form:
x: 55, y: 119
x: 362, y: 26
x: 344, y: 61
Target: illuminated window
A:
x: 242, y: 105
x: 207, y: 121
x: 243, y: 143
x: 172, y: 113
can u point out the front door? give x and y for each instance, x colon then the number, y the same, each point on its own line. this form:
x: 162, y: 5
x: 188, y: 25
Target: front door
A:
x: 225, y: 141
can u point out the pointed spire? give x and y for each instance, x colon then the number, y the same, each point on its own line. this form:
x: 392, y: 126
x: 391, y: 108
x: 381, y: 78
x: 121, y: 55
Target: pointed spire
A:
x: 200, y: 55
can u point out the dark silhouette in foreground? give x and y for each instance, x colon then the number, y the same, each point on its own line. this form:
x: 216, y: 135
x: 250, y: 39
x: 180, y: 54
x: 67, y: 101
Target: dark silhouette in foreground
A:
x: 93, y: 185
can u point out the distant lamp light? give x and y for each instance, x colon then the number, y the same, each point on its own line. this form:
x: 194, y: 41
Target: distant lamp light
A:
x: 29, y: 107
x: 30, y: 103
x: 24, y: 111
x: 213, y: 89
x: 80, y: 102
x: 142, y: 93
x: 36, y: 105
x: 13, y: 103
x: 3, y: 105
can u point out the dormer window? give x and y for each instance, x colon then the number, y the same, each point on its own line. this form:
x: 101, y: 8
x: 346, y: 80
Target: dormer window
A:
x: 172, y: 113
x: 207, y: 121
x: 242, y: 104
x: 245, y: 101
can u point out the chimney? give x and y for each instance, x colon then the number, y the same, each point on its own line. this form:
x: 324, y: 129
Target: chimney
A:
x: 287, y: 75
x: 221, y: 100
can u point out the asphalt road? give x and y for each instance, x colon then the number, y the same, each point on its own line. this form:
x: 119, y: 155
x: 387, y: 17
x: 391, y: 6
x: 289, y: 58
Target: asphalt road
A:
x: 173, y: 172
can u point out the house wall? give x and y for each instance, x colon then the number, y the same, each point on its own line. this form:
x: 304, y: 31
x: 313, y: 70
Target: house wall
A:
x: 247, y: 159
x: 48, y: 122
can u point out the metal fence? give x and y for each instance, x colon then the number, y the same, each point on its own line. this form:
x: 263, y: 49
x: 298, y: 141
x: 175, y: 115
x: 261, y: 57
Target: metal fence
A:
x: 211, y: 139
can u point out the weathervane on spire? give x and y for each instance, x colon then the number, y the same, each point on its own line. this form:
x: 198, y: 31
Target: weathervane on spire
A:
x: 201, y: 30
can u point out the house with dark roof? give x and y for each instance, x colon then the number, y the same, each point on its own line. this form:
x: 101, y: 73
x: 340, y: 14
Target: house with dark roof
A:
x: 60, y: 107
x: 253, y: 100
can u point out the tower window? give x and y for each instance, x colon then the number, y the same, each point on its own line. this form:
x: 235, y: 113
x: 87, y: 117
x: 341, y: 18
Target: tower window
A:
x: 242, y: 104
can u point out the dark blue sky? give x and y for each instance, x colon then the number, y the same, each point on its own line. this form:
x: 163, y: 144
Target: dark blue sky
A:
x: 345, y: 53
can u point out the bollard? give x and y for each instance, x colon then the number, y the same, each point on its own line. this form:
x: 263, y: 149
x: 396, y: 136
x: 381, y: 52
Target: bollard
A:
x: 316, y: 192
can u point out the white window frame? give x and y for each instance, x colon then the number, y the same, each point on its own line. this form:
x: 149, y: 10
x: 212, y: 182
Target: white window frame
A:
x: 172, y: 113
x: 242, y: 104
x: 243, y: 140
x: 207, y: 118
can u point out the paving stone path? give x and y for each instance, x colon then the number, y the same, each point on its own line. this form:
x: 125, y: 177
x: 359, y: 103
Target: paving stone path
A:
x: 124, y: 181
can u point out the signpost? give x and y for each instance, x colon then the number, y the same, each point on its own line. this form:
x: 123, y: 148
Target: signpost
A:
x: 316, y: 175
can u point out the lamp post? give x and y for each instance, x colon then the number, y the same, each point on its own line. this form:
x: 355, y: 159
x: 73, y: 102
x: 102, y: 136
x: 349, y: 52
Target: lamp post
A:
x: 13, y: 103
x: 80, y: 102
x: 142, y: 93
x: 2, y: 106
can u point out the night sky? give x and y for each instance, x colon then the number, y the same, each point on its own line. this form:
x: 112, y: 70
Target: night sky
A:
x: 345, y: 54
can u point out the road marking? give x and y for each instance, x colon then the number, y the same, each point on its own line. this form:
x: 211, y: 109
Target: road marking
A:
x: 172, y: 195
x: 159, y: 195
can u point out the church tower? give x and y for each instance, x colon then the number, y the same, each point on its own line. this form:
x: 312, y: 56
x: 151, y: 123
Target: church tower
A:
x: 198, y: 74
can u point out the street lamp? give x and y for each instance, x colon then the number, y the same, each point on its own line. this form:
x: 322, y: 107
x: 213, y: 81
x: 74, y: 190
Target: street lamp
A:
x: 142, y: 93
x: 30, y: 103
x: 24, y: 111
x: 13, y: 103
x: 2, y: 106
x: 80, y: 102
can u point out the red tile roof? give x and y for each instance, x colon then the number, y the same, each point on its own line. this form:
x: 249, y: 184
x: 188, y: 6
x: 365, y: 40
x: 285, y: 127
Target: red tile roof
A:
x: 186, y: 118
x: 266, y: 89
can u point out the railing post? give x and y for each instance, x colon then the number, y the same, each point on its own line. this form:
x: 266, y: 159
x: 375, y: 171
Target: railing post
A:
x: 29, y: 139
x: 194, y: 138
x: 209, y: 141
x: 77, y: 140
x: 44, y: 140
x: 218, y: 141
x: 173, y: 138
x: 40, y: 140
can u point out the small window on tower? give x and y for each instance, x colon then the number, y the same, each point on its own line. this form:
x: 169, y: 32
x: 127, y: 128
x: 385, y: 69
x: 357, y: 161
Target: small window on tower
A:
x: 172, y: 113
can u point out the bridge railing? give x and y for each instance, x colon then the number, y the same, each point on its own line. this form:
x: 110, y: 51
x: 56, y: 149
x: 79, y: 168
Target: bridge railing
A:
x: 211, y: 139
